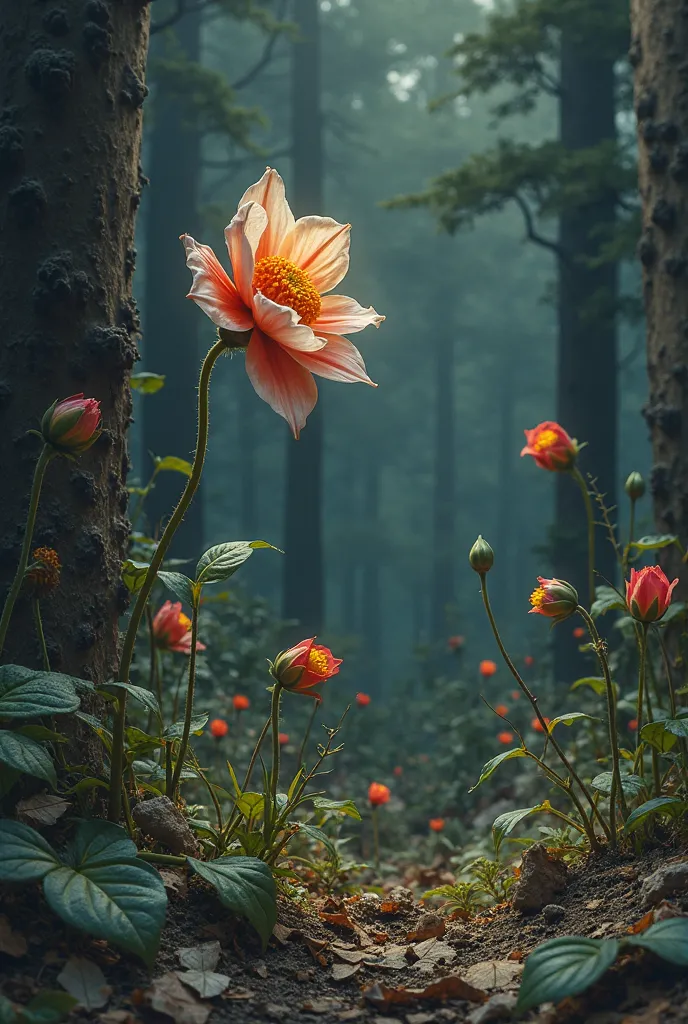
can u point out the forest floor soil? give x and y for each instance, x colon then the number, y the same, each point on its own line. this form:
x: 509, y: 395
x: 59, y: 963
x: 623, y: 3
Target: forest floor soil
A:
x: 347, y: 959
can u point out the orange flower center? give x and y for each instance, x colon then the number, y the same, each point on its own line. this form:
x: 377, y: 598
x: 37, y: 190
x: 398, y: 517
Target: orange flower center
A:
x: 282, y: 281
x: 46, y: 574
x: 545, y: 439
x: 537, y: 598
x: 317, y: 662
x: 184, y: 620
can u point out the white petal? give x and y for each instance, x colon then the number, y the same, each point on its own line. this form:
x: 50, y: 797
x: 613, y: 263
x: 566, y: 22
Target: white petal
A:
x: 269, y: 193
x: 282, y: 324
x: 341, y: 315
x: 320, y: 246
x: 242, y: 236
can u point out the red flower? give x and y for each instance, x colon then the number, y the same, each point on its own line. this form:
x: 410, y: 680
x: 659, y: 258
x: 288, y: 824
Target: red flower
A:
x: 283, y: 738
x: 529, y: 661
x: 240, y: 702
x: 554, y: 598
x: 455, y: 642
x: 363, y: 700
x: 218, y: 728
x: 378, y: 794
x: 515, y: 694
x: 537, y: 724
x: 172, y: 629
x: 579, y: 632
x: 501, y: 709
x: 398, y: 771
x: 550, y: 446
x: 487, y: 668
x: 437, y: 824
x: 633, y: 725
x: 648, y: 593
x: 44, y: 577
x: 505, y: 737
x: 72, y: 425
x: 304, y: 666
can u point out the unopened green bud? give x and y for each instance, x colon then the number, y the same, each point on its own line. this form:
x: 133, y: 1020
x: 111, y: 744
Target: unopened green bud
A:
x: 481, y: 556
x: 635, y: 486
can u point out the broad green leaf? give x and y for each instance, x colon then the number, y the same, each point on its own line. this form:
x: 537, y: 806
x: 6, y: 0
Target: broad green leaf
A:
x: 134, y: 574
x: 176, y: 730
x: 347, y: 807
x: 495, y: 762
x: 24, y: 854
x: 26, y: 755
x: 180, y: 585
x: 658, y: 737
x: 245, y: 885
x: 676, y: 726
x: 147, y: 383
x: 172, y: 464
x: 507, y: 822
x: 672, y: 806
x: 606, y: 600
x: 150, y: 770
x: 668, y: 939
x: 40, y: 732
x: 101, y: 842
x: 250, y: 805
x: 675, y: 609
x: 317, y: 834
x: 595, y: 683
x: 25, y: 693
x: 141, y: 694
x: 632, y: 785
x: 655, y: 542
x: 570, y: 718
x: 564, y: 967
x: 222, y: 561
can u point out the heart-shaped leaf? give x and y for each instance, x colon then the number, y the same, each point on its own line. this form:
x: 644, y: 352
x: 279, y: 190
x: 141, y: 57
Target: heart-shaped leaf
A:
x: 180, y: 585
x: 570, y: 718
x: 668, y: 939
x: 26, y: 755
x: 658, y: 737
x: 632, y: 785
x: 25, y: 693
x: 24, y: 854
x: 134, y: 574
x: 245, y: 885
x: 595, y: 683
x: 222, y: 561
x: 564, y: 967
x: 495, y: 762
x: 672, y: 806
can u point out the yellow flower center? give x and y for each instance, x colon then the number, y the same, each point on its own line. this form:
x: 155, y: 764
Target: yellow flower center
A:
x: 545, y: 439
x: 184, y: 620
x: 317, y: 662
x: 537, y: 598
x: 282, y: 281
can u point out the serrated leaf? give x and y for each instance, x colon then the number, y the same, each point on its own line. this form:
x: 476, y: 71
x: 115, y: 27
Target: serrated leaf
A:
x: 147, y: 383
x: 667, y: 939
x: 134, y: 574
x: 177, y: 728
x: 671, y: 806
x: 25, y: 855
x: 172, y: 464
x: 656, y: 541
x: 347, y: 807
x: 27, y: 756
x: 25, y: 693
x: 180, y: 585
x: 141, y: 694
x: 564, y: 967
x: 495, y: 762
x: 570, y: 718
x: 507, y: 822
x: 245, y: 885
x: 658, y: 737
x: 606, y: 600
x: 632, y: 785
x: 222, y: 560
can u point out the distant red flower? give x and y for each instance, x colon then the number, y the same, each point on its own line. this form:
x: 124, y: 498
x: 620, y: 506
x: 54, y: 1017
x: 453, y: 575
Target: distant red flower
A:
x: 240, y: 702
x: 537, y: 724
x: 579, y: 632
x: 283, y: 738
x: 437, y: 824
x: 529, y: 661
x: 378, y: 794
x: 455, y: 642
x: 218, y: 728
x: 505, y: 737
x: 501, y: 709
x: 633, y: 725
x: 44, y: 577
x: 487, y: 668
x: 551, y: 447
x: 363, y: 700
x: 515, y: 694
x: 398, y: 771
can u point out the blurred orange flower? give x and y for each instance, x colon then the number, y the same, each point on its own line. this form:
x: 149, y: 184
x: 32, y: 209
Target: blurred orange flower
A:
x: 515, y: 694
x: 579, y: 632
x: 283, y: 738
x: 537, y: 724
x: 505, y: 737
x: 550, y: 446
x: 240, y: 702
x: 633, y: 725
x: 378, y: 794
x: 218, y: 728
x: 501, y: 709
x: 487, y: 668
x: 363, y: 700
x: 455, y: 642
x: 398, y: 770
x: 529, y: 661
x: 437, y: 824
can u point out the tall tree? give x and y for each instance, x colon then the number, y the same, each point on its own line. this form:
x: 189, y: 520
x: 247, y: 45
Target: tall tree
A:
x: 72, y: 88
x: 443, y: 594
x: 303, y: 582
x: 371, y: 597
x: 659, y: 43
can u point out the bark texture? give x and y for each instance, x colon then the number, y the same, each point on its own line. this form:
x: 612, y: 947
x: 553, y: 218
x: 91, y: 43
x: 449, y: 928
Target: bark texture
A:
x: 71, y: 92
x: 659, y: 55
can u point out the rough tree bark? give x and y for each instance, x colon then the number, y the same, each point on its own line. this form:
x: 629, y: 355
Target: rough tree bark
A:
x: 658, y: 53
x: 72, y: 87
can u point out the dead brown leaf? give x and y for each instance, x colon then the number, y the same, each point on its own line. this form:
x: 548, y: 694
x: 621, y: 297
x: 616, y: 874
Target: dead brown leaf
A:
x: 449, y: 987
x: 430, y: 926
x: 652, y: 1014
x: 340, y: 972
x: 44, y: 809
x: 174, y: 880
x: 603, y: 930
x: 11, y: 942
x: 167, y: 995
x: 390, y: 907
x: 593, y: 904
x: 239, y: 993
x: 340, y: 918
x: 324, y: 1005
x: 516, y: 954
x: 282, y: 933
x: 492, y: 973
x: 643, y: 924
x: 428, y: 955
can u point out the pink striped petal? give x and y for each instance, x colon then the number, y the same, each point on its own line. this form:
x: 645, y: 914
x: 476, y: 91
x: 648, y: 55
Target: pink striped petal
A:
x: 212, y: 289
x: 320, y: 246
x: 339, y: 360
x: 288, y: 388
x: 341, y: 315
x: 281, y: 323
x: 269, y: 193
x: 242, y: 236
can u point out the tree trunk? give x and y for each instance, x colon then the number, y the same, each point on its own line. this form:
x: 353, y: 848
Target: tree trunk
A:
x: 506, y: 501
x: 371, y: 607
x: 587, y: 299
x: 444, y: 488
x: 72, y: 84
x: 658, y: 50
x: 171, y: 321
x: 303, y: 584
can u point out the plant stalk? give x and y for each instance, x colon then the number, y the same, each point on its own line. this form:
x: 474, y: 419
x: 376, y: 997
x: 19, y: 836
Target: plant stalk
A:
x: 590, y: 516
x: 38, y: 621
x: 188, y: 707
x: 638, y: 763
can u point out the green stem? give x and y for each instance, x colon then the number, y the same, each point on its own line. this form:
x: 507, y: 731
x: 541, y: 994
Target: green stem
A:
x: 190, y: 489
x: 161, y: 858
x: 617, y: 789
x: 631, y: 535
x: 274, y: 726
x: 38, y: 621
x: 642, y: 657
x: 376, y: 838
x: 169, y: 745
x: 39, y: 473
x: 188, y: 707
x: 578, y: 477
x: 247, y: 778
x: 307, y: 736
x: 667, y: 670
x: 594, y: 845
x: 656, y: 774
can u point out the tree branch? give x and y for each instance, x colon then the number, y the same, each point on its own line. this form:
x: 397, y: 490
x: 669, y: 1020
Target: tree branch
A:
x: 266, y: 55
x: 532, y: 235
x: 181, y: 8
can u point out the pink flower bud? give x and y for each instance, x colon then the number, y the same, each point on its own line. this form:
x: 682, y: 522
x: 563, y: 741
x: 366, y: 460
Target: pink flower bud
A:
x: 648, y: 593
x: 73, y: 424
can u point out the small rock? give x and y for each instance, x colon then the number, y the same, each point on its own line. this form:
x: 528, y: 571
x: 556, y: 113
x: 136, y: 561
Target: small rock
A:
x: 160, y: 819
x: 498, y: 1007
x: 542, y: 877
x: 400, y: 894
x: 275, y: 1011
x: 664, y: 881
x: 553, y: 912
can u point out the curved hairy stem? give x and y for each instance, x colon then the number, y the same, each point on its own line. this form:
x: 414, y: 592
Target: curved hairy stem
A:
x: 188, y: 707
x: 590, y: 516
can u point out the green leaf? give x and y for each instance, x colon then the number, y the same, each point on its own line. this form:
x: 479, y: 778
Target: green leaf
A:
x: 632, y: 785
x: 317, y: 834
x: 347, y: 807
x: 676, y: 726
x: 668, y: 939
x: 606, y: 600
x: 495, y: 762
x: 570, y: 718
x: 24, y: 854
x: 134, y: 574
x: 222, y: 561
x: 564, y: 967
x: 675, y: 609
x: 141, y: 694
x: 25, y: 693
x: 250, y: 805
x: 170, y: 463
x: 245, y: 885
x: 47, y: 1007
x: 656, y: 541
x: 180, y: 585
x: 658, y: 737
x: 197, y: 723
x: 594, y: 682
x: 672, y: 806
x: 147, y: 383
x: 26, y: 755
x: 107, y: 892
x: 39, y: 732
x: 507, y: 822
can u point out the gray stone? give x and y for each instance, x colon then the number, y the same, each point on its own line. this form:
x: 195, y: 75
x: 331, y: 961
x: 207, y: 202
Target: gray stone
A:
x: 553, y: 912
x: 161, y: 820
x: 542, y: 878
x: 664, y: 881
x: 498, y: 1007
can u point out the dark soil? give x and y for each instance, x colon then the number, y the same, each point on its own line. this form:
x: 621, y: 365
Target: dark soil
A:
x: 292, y: 980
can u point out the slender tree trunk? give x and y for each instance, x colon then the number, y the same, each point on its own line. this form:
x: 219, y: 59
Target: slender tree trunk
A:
x: 171, y: 321
x: 72, y: 87
x: 658, y: 54
x: 444, y: 488
x: 506, y: 497
x: 304, y: 588
x: 371, y: 605
x: 587, y: 378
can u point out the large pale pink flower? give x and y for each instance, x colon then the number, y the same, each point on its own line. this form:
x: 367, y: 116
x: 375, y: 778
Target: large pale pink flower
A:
x: 282, y: 269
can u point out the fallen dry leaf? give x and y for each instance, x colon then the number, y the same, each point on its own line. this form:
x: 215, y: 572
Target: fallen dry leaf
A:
x: 449, y: 987
x: 207, y: 984
x: 430, y: 926
x: 516, y: 954
x: 643, y: 924
x: 428, y: 955
x: 492, y: 973
x: 282, y: 933
x: 44, y: 809
x: 349, y: 956
x: 653, y: 1014
x: 390, y: 907
x: 117, y: 1017
x: 593, y: 904
x: 11, y: 942
x: 340, y: 972
x: 324, y: 1005
x: 174, y: 880
x: 378, y: 937
x: 85, y: 981
x: 351, y: 1014
x: 603, y: 930
x: 167, y: 995
x: 239, y: 993
x: 339, y: 917
x: 200, y: 958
